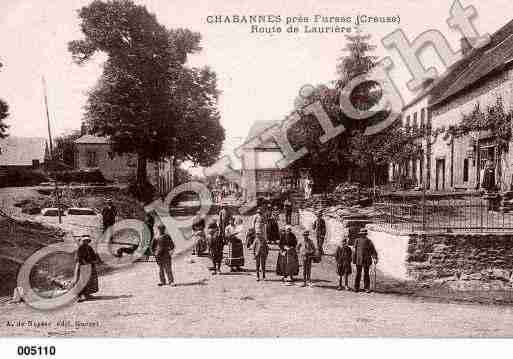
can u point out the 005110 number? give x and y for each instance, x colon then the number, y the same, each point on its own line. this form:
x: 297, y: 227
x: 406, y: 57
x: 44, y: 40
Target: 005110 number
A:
x: 35, y: 350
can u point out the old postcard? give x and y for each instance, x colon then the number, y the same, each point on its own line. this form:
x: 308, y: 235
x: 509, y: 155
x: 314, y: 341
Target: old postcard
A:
x: 255, y: 169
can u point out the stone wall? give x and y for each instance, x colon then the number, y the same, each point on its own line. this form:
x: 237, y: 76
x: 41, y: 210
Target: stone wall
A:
x: 434, y: 256
x: 440, y: 255
x: 336, y: 228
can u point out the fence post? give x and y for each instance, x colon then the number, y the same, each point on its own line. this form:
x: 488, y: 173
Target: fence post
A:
x: 481, y: 213
x: 423, y: 208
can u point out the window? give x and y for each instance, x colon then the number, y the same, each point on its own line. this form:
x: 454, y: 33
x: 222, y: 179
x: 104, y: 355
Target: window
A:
x: 35, y: 164
x: 407, y: 123
x: 111, y: 155
x: 92, y: 160
x: 422, y: 117
x: 415, y: 124
x: 465, y: 170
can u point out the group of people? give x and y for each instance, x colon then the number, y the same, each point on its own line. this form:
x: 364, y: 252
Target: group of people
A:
x: 229, y: 231
x: 292, y: 253
x: 226, y: 230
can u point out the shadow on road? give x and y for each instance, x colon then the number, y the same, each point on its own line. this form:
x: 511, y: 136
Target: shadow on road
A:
x: 189, y: 284
x: 108, y: 297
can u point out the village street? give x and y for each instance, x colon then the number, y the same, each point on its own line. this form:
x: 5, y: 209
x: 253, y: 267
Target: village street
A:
x: 233, y: 304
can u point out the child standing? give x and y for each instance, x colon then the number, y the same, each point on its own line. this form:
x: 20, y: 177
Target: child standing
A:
x: 343, y: 257
x: 307, y: 255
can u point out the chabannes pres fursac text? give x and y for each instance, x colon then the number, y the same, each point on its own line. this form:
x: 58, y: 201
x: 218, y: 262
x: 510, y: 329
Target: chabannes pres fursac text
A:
x: 306, y: 24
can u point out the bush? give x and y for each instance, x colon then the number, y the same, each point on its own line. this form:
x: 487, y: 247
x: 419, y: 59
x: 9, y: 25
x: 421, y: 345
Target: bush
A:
x: 143, y: 192
x: 20, y: 177
x: 80, y: 176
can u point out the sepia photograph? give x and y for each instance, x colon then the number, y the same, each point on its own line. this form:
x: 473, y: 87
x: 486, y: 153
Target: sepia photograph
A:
x: 272, y: 169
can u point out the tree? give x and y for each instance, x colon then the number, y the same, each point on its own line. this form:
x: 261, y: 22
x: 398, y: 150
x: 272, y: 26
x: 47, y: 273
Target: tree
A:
x: 334, y: 160
x: 146, y: 100
x: 373, y: 154
x: 65, y: 148
x: 4, y: 113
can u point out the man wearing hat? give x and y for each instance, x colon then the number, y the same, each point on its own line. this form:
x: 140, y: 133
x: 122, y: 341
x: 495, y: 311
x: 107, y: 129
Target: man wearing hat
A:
x: 364, y: 254
x: 163, y: 247
x: 109, y: 213
x: 307, y: 254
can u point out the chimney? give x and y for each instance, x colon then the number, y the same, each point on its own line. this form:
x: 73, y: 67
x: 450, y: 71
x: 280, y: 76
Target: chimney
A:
x: 465, y: 45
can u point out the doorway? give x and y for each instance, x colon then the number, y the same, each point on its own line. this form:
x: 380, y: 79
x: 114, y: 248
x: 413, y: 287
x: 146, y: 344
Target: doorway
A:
x: 440, y: 174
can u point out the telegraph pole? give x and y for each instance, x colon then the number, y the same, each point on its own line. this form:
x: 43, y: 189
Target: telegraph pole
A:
x: 50, y: 142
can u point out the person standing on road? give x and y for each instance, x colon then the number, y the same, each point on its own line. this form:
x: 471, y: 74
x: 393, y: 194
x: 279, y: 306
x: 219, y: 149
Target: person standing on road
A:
x: 288, y: 261
x: 215, y: 245
x: 319, y: 227
x: 224, y: 220
x: 109, y: 214
x: 198, y: 235
x: 149, y: 221
x: 364, y: 254
x: 307, y: 255
x: 287, y: 207
x: 163, y: 248
x: 87, y: 256
x: 260, y: 246
x: 234, y: 232
x: 343, y: 256
x: 272, y: 227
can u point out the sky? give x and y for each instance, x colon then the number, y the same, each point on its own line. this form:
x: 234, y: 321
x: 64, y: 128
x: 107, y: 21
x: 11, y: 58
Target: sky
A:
x: 259, y: 75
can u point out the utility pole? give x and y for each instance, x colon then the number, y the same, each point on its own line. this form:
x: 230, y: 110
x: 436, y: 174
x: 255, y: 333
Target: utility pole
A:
x: 57, y: 195
x: 47, y: 117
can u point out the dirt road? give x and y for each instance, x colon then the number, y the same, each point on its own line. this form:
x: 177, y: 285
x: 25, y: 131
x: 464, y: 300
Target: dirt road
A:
x: 234, y: 304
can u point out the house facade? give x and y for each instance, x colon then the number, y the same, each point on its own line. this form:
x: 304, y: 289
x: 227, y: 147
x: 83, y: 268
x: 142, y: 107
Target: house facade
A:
x: 480, y: 78
x: 95, y: 152
x: 260, y: 170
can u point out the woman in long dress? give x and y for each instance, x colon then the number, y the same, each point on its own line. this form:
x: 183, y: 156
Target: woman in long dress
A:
x: 87, y: 256
x: 288, y: 261
x: 234, y: 231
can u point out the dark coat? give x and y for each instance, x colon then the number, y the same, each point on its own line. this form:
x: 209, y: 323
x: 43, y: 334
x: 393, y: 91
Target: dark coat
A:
x: 260, y: 246
x: 161, y: 247
x: 109, y: 216
x: 319, y: 227
x: 86, y: 255
x: 364, y: 252
x: 343, y: 256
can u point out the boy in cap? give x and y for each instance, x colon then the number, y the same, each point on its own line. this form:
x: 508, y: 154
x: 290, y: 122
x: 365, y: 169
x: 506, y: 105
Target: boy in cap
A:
x: 163, y: 247
x: 343, y: 257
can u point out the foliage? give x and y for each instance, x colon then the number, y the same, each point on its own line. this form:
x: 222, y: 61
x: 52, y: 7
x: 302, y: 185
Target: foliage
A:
x: 334, y: 160
x: 147, y: 101
x: 494, y: 119
x: 181, y: 176
x: 64, y: 148
x: 80, y: 176
x: 4, y: 113
x: 19, y: 177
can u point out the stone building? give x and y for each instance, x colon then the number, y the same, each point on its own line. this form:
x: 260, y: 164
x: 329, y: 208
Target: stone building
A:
x: 94, y: 152
x: 260, y: 170
x: 480, y: 77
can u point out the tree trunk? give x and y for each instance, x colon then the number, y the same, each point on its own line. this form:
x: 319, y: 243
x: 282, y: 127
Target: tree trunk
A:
x: 142, y: 176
